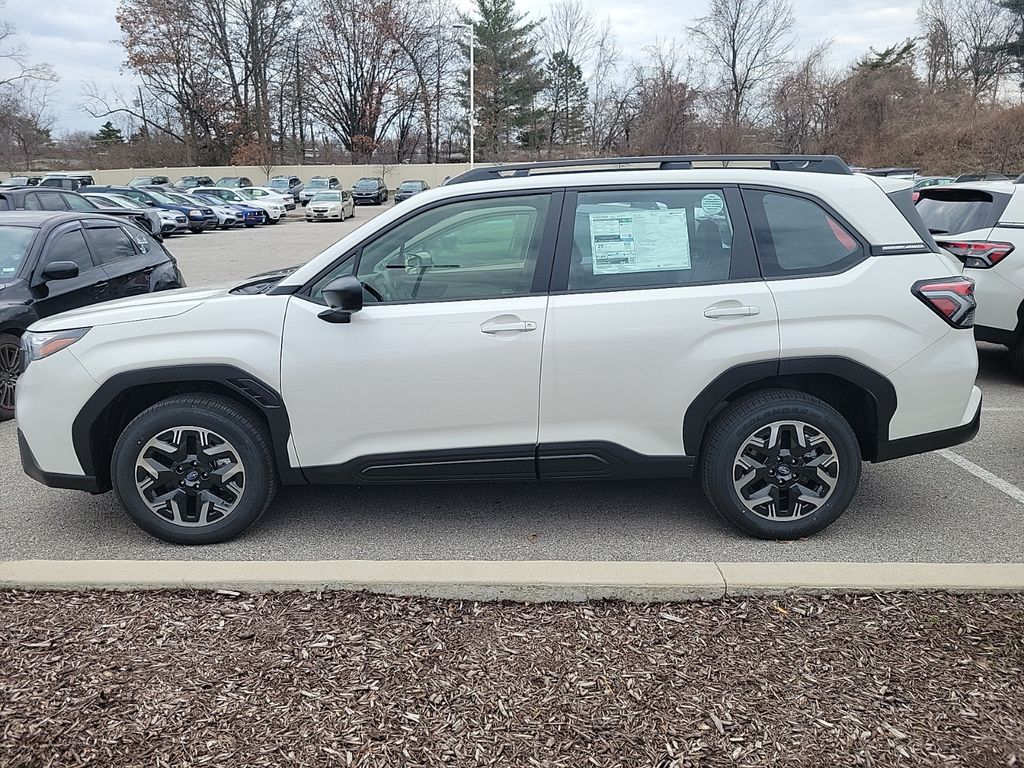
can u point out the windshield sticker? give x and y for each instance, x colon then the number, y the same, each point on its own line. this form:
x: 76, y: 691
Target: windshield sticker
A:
x: 639, y: 241
x: 712, y: 204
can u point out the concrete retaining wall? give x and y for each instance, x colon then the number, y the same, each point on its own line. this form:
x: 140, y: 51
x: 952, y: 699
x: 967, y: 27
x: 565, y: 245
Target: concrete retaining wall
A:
x: 348, y: 174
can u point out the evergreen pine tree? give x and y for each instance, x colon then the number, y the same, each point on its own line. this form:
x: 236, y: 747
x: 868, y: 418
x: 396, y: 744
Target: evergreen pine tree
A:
x: 508, y: 77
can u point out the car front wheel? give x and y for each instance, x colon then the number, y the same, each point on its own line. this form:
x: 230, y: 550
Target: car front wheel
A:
x: 780, y: 464
x: 194, y: 469
x: 10, y: 369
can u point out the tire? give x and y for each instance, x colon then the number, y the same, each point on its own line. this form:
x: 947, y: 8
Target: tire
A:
x: 10, y: 369
x: 242, y: 441
x: 834, y: 477
x: 1017, y: 356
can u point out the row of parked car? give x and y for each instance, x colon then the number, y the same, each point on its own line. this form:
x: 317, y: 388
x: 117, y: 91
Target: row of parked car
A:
x: 369, y: 189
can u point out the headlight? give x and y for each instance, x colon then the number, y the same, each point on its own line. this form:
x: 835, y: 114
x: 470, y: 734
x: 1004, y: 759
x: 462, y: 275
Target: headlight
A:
x: 36, y: 346
x: 195, y: 214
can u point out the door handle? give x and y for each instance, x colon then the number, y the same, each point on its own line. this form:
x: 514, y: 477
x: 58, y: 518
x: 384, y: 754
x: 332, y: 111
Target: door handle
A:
x: 744, y: 311
x: 520, y: 326
x: 101, y: 287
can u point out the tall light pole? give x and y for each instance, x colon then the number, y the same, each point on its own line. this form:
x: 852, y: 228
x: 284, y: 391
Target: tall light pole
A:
x: 472, y: 91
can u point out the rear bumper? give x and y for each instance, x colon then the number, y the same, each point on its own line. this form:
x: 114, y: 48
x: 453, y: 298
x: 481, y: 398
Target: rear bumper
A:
x: 932, y: 441
x: 53, y: 479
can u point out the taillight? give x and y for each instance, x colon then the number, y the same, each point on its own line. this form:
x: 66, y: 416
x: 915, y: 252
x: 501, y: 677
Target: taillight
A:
x: 978, y: 254
x: 952, y: 298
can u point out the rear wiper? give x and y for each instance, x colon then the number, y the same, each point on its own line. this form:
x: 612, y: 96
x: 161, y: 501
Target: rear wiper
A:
x: 937, y: 231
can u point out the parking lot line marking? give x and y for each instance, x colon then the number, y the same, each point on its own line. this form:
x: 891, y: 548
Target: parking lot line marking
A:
x: 981, y: 473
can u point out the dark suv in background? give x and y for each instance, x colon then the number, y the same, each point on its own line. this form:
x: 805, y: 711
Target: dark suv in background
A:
x: 370, y: 190
x: 52, y: 262
x: 50, y: 199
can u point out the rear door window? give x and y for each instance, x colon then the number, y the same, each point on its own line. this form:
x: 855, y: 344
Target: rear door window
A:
x: 650, y: 238
x: 949, y: 212
x: 111, y: 244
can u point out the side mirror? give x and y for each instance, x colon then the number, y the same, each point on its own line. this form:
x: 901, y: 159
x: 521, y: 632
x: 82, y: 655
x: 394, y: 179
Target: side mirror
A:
x: 60, y: 270
x: 344, y: 296
x: 151, y: 204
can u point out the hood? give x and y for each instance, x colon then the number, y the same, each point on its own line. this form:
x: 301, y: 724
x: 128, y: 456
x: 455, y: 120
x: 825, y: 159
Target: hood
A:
x: 150, y: 306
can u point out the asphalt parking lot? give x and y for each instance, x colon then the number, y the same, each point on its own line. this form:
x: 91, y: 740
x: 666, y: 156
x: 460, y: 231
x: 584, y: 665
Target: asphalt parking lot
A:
x: 961, y: 506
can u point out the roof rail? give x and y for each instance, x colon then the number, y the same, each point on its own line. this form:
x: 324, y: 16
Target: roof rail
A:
x: 811, y: 163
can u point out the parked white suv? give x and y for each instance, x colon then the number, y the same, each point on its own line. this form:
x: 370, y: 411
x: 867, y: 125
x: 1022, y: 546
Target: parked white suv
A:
x: 275, y: 209
x: 765, y: 328
x: 982, y: 224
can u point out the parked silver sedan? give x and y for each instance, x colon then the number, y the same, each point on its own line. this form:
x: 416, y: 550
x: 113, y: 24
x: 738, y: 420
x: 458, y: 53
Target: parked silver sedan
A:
x: 335, y: 204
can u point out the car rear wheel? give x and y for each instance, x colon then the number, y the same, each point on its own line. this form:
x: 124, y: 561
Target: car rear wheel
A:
x: 194, y: 469
x: 10, y: 369
x: 780, y: 464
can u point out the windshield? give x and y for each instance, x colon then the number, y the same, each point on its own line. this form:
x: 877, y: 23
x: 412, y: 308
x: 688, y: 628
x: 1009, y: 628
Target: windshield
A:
x: 366, y: 183
x: 124, y: 202
x: 14, y: 244
x: 229, y: 181
x: 279, y: 184
x: 317, y: 184
x: 15, y: 181
x: 180, y: 199
x: 411, y: 185
x: 326, y: 197
x: 162, y: 198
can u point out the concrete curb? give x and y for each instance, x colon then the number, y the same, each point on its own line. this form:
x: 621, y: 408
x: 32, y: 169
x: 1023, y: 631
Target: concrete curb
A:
x: 525, y: 580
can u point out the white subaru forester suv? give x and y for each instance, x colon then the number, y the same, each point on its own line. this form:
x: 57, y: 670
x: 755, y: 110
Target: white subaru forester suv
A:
x: 982, y: 224
x: 764, y: 323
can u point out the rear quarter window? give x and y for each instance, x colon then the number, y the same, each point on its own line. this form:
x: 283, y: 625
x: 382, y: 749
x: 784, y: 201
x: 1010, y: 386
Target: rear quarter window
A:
x: 796, y: 236
x: 951, y: 211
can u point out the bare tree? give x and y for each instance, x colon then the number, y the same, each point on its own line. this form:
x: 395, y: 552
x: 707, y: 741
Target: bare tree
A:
x: 803, y: 103
x: 15, y: 59
x: 965, y: 45
x: 355, y: 66
x: 570, y: 28
x: 748, y: 43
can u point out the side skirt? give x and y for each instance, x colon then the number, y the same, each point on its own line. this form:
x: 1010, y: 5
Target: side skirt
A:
x: 551, y: 461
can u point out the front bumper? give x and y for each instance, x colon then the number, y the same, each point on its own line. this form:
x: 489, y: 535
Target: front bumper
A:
x: 366, y: 198
x: 206, y: 222
x: 314, y: 215
x: 53, y: 479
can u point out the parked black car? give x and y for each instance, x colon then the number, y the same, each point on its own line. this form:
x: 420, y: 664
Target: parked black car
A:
x: 52, y: 262
x: 409, y: 188
x: 51, y: 199
x: 370, y: 190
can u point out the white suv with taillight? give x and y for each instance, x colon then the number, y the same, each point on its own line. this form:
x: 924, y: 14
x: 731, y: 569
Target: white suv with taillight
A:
x: 763, y: 323
x: 982, y: 224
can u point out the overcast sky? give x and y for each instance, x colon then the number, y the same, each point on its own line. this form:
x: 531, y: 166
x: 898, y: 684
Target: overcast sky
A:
x: 77, y: 36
